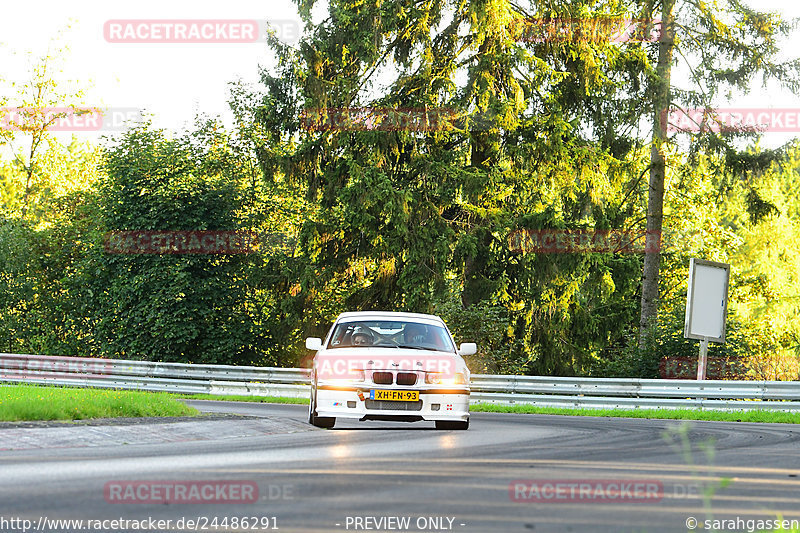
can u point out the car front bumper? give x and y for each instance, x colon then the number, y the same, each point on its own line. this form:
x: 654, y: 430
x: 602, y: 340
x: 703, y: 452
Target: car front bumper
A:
x: 435, y: 403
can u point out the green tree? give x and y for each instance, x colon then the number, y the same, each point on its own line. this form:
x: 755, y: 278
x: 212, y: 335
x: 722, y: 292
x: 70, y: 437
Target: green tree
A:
x: 188, y: 307
x: 44, y: 304
x: 524, y: 136
x: 722, y: 47
x: 38, y: 104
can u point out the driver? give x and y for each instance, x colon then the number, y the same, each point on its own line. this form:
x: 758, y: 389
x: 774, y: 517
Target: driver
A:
x: 361, y: 337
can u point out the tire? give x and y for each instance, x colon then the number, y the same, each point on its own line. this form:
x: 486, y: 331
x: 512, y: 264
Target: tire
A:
x: 325, y: 422
x: 311, y: 408
x: 452, y: 424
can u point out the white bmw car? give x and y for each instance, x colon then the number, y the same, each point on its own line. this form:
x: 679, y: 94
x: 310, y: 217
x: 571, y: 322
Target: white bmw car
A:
x: 376, y: 365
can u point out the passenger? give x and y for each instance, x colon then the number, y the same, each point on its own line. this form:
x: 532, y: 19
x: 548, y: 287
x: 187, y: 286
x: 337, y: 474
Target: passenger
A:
x: 416, y: 335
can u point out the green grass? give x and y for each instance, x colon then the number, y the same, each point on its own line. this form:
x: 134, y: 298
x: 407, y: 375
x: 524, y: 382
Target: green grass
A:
x: 254, y: 399
x: 33, y: 402
x: 668, y: 414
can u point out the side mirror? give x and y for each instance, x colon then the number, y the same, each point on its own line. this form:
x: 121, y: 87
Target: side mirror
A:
x: 468, y: 348
x: 314, y: 343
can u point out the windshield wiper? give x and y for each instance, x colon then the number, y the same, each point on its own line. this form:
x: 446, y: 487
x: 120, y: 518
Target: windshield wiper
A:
x: 412, y: 347
x: 382, y: 343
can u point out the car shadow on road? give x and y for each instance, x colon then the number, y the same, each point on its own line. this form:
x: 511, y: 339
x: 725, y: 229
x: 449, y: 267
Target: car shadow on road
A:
x: 384, y: 429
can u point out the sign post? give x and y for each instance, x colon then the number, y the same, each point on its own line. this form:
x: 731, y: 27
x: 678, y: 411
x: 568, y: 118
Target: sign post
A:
x: 702, y: 364
x: 706, y: 306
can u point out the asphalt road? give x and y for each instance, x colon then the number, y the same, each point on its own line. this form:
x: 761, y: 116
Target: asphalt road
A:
x: 507, y: 473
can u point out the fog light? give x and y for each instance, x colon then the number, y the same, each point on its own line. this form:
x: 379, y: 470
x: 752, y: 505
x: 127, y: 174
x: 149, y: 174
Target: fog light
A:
x: 434, y: 407
x: 351, y: 404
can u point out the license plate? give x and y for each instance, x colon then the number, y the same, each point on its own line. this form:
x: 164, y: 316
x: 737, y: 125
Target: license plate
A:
x: 394, y: 395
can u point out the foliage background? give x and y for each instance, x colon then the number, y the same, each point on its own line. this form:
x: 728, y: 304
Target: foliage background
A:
x: 544, y: 135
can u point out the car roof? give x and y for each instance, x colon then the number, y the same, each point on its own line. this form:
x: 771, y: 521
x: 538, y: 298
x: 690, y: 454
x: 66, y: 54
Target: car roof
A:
x: 383, y: 315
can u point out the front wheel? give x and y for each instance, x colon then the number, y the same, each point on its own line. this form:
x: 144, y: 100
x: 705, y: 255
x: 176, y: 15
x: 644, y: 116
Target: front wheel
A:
x: 452, y: 424
x: 311, y: 408
x: 325, y: 422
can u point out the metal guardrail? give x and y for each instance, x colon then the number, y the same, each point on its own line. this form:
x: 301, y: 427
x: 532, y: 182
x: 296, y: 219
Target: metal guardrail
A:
x: 601, y: 393
x: 152, y: 376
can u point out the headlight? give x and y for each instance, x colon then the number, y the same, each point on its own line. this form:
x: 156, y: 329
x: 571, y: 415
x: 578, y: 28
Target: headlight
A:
x: 438, y: 378
x: 432, y: 378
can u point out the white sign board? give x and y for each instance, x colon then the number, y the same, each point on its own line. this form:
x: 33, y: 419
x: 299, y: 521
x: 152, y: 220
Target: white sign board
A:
x: 707, y: 300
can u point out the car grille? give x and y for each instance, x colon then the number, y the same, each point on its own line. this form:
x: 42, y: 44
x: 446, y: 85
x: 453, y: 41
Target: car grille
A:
x: 406, y: 378
x: 393, y: 406
x: 382, y: 378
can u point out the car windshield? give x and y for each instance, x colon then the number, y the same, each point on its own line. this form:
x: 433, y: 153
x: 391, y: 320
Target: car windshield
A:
x: 391, y: 334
